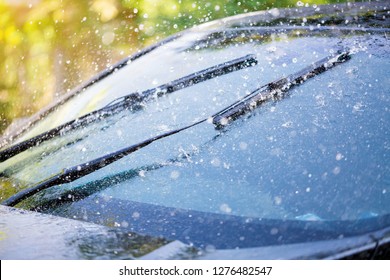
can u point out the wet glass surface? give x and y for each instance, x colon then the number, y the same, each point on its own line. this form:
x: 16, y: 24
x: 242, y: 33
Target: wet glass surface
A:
x: 319, y: 157
x: 27, y: 235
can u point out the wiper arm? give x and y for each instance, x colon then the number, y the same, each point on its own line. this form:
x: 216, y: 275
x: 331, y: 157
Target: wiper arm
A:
x: 73, y: 173
x: 276, y: 90
x: 271, y: 91
x: 192, y: 79
x: 131, y: 101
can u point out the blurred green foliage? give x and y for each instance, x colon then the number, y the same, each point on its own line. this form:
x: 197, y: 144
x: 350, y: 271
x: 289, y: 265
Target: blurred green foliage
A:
x: 49, y: 46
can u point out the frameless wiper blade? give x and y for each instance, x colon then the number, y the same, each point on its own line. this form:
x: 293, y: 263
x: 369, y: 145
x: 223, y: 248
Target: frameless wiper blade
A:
x: 192, y: 79
x: 276, y: 90
x: 271, y: 91
x: 131, y: 101
x: 73, y: 173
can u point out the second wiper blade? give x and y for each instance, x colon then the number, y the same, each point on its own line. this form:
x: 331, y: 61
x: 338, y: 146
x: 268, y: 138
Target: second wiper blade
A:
x: 132, y: 101
x: 276, y: 90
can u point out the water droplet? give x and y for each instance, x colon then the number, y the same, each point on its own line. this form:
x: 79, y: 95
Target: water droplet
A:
x: 175, y: 174
x: 215, y: 162
x: 224, y: 121
x: 274, y: 12
x: 108, y: 38
x: 243, y: 145
x: 339, y: 156
x: 278, y: 200
x: 225, y: 208
x: 124, y: 224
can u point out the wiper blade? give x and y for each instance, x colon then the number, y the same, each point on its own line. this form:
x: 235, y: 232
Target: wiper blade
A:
x: 132, y: 102
x: 192, y: 79
x: 271, y: 91
x: 73, y: 173
x: 277, y: 89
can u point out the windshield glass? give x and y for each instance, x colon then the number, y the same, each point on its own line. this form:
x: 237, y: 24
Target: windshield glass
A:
x: 317, y: 158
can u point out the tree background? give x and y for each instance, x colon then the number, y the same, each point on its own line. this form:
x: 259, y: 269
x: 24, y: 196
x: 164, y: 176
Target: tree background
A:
x: 47, y: 47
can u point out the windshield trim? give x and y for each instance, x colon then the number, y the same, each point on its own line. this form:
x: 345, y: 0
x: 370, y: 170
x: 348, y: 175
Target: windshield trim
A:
x: 256, y: 230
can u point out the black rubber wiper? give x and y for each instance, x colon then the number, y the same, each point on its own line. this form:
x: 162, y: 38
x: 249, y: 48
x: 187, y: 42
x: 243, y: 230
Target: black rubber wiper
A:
x: 132, y: 102
x: 73, y: 173
x: 271, y: 91
x: 277, y: 89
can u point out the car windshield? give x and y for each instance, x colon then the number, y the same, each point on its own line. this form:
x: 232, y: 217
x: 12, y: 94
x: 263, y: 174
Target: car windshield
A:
x: 311, y: 165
